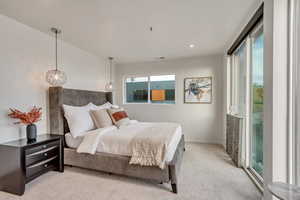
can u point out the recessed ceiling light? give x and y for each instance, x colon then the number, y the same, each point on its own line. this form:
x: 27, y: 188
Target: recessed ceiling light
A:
x: 191, y: 45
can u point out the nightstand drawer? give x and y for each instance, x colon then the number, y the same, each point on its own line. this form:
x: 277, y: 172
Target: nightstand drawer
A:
x: 35, y: 149
x: 42, y: 155
x: 41, y: 167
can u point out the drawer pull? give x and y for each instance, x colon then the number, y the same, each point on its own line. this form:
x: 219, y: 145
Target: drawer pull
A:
x: 42, y: 163
x: 40, y: 152
x: 39, y: 147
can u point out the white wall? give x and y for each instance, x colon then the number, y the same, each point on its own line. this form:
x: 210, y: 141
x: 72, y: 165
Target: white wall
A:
x: 200, y: 122
x: 25, y: 56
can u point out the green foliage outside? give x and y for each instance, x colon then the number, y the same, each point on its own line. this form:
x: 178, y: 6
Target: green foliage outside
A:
x: 257, y: 127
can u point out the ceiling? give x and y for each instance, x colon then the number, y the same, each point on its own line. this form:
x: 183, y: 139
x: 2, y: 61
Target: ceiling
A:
x: 121, y: 28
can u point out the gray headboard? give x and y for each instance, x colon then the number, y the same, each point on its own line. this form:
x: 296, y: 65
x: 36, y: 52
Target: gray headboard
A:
x: 59, y: 96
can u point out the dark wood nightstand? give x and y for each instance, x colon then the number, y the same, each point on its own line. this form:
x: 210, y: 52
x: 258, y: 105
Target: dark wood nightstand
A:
x: 21, y: 162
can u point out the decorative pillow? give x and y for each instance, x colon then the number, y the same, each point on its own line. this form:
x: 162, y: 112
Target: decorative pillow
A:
x: 79, y: 119
x: 107, y: 105
x: 101, y: 118
x: 119, y: 116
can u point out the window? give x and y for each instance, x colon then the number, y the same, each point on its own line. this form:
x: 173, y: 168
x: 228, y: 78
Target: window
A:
x: 162, y: 89
x: 246, y: 98
x: 137, y: 90
x: 257, y: 91
x: 150, y: 89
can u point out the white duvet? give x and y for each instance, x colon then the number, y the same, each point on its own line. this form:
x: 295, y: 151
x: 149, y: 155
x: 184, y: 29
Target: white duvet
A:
x: 117, y: 140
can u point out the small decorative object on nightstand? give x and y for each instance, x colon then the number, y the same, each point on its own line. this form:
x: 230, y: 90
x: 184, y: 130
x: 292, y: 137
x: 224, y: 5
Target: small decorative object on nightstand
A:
x: 28, y: 119
x: 23, y: 161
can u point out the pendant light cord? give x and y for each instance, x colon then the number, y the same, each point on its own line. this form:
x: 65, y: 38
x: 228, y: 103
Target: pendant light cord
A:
x: 56, y: 50
x: 110, y: 69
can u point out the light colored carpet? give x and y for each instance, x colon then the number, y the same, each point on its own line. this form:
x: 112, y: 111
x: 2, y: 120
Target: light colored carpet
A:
x: 207, y: 174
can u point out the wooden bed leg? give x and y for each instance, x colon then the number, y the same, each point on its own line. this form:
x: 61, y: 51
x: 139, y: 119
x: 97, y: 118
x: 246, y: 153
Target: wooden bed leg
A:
x: 174, y: 188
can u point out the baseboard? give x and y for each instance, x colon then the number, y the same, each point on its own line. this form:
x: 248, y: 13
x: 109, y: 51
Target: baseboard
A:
x: 220, y: 142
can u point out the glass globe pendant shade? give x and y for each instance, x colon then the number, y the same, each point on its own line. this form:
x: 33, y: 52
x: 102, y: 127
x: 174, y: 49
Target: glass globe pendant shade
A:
x: 109, y: 87
x: 56, y: 77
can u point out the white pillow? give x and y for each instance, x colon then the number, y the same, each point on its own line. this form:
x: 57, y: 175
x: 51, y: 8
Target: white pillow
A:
x: 107, y: 105
x: 79, y: 119
x: 115, y: 106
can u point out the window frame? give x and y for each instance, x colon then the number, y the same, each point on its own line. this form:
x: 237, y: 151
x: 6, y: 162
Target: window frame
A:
x: 297, y: 64
x: 149, y: 90
x: 234, y: 96
x: 294, y: 94
x: 256, y: 31
x: 233, y: 100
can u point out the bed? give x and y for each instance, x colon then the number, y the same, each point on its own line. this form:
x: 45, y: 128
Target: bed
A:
x: 108, y: 161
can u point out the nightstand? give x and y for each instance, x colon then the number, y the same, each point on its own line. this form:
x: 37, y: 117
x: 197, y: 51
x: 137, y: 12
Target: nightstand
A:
x: 21, y: 162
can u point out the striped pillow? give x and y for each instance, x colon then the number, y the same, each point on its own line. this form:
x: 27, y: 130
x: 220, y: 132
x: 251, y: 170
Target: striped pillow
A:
x: 119, y: 116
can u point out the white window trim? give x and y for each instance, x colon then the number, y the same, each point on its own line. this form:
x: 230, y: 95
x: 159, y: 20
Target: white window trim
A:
x: 297, y: 63
x: 233, y: 80
x: 149, y: 100
x: 276, y: 95
x: 228, y: 83
x: 294, y: 93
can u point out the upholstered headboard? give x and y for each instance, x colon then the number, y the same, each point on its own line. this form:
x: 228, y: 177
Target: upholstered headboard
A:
x: 59, y: 96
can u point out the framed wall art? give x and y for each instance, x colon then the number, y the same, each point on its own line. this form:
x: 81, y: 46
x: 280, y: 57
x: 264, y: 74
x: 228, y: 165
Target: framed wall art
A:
x: 198, y: 90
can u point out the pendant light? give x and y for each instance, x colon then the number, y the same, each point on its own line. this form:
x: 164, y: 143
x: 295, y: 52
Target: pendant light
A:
x: 109, y: 85
x: 56, y: 77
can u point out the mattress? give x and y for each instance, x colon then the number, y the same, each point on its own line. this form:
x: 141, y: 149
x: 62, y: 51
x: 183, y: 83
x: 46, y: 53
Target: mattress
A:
x: 117, y: 141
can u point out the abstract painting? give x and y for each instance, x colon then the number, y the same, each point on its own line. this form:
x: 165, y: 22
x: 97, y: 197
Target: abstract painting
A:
x: 198, y: 90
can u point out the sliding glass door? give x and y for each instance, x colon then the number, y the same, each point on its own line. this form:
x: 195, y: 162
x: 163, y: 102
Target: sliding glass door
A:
x: 247, y: 99
x: 256, y: 102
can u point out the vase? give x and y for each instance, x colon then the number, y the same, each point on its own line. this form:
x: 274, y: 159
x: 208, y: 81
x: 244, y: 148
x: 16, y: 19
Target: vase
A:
x: 31, y: 132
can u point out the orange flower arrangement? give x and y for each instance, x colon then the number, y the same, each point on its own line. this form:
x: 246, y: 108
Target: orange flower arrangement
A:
x: 26, y: 118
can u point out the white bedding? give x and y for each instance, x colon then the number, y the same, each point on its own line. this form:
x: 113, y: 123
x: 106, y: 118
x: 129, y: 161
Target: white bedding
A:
x: 116, y: 141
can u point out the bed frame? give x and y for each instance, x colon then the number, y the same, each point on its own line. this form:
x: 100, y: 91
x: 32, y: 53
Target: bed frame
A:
x: 111, y: 163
